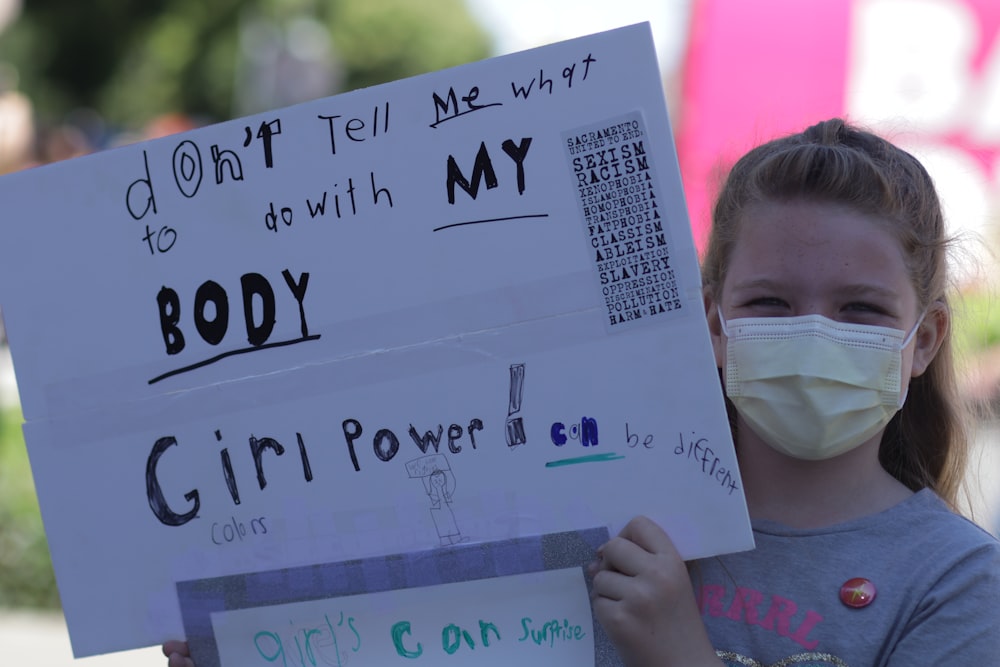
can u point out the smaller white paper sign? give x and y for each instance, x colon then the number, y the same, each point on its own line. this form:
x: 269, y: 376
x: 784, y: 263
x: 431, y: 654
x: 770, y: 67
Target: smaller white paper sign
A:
x: 524, y: 600
x: 534, y: 618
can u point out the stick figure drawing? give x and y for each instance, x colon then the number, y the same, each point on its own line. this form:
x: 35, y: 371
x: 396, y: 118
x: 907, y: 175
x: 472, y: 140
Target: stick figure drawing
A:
x: 439, y: 484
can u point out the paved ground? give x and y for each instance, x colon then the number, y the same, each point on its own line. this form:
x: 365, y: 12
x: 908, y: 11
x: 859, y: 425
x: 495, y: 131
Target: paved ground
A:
x: 8, y: 388
x: 41, y: 640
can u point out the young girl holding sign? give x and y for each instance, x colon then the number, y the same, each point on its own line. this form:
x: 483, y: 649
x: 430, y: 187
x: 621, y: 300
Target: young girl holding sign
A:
x: 825, y: 287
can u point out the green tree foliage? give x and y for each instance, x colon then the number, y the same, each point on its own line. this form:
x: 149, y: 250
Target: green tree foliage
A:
x: 132, y: 61
x: 26, y: 578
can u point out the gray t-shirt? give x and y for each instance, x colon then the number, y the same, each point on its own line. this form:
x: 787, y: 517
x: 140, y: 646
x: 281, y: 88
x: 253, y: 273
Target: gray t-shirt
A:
x: 937, y: 593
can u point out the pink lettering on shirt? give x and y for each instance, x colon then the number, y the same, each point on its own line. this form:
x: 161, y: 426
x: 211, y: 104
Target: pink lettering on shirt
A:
x: 746, y: 605
x: 711, y: 599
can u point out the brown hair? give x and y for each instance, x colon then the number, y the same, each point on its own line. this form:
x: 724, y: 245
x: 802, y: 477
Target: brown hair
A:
x: 925, y: 444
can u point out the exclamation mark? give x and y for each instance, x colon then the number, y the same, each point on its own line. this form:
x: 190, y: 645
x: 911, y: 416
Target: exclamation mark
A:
x: 515, y: 424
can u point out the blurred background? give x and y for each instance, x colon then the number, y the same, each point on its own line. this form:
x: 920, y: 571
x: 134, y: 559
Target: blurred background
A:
x: 80, y: 77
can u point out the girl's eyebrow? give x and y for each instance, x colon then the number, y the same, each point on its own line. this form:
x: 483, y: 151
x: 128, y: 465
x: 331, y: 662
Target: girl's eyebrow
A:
x: 849, y: 289
x: 867, y: 289
x: 759, y: 283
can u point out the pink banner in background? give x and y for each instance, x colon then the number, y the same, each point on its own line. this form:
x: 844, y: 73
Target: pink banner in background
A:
x: 924, y: 71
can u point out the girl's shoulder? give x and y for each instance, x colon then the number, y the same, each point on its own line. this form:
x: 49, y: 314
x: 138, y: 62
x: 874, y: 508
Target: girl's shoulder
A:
x: 927, y: 518
x: 921, y: 543
x: 922, y: 517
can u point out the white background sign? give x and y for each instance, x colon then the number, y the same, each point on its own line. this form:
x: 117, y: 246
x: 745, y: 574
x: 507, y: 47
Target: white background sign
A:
x: 453, y: 309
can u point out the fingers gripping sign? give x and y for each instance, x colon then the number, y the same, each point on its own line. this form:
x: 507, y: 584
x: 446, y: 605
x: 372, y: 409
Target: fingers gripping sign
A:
x: 178, y: 654
x: 643, y: 598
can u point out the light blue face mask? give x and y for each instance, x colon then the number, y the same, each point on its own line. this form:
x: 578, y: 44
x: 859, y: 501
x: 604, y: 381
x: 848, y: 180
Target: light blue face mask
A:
x: 811, y: 387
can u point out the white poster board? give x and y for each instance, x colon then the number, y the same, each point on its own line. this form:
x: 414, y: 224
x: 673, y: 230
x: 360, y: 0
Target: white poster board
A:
x: 454, y: 309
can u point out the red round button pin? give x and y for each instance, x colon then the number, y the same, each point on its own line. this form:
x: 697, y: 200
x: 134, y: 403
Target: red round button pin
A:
x: 857, y: 593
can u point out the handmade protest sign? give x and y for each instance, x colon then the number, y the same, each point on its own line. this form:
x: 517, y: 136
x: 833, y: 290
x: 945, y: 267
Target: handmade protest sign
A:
x: 452, y: 310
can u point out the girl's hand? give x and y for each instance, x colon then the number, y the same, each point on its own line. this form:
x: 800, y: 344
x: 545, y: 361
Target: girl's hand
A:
x: 177, y: 654
x: 643, y: 598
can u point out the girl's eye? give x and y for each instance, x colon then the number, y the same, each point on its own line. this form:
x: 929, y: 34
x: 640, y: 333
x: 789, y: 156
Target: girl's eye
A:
x: 767, y: 301
x: 863, y: 312
x: 865, y: 307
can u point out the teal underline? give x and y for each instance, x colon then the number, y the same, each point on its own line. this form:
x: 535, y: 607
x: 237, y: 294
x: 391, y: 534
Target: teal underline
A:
x: 593, y: 458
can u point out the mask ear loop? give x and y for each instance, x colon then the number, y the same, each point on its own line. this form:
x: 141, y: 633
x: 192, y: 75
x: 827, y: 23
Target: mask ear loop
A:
x: 902, y: 346
x: 913, y: 332
x: 722, y: 321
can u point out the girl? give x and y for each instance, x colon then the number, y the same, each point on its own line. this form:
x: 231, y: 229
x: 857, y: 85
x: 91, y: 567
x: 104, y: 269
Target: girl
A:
x: 824, y: 285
